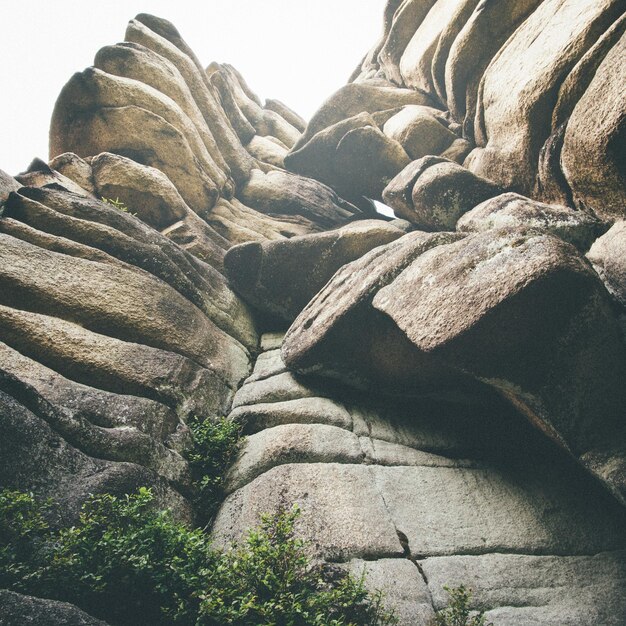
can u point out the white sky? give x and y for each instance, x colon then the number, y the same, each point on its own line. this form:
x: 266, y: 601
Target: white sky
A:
x: 298, y: 51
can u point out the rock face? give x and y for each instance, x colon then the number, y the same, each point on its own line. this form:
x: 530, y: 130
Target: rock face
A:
x: 443, y: 395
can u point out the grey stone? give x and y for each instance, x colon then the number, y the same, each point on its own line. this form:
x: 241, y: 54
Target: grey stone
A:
x: 569, y: 364
x: 608, y: 257
x: 292, y: 443
x: 73, y: 167
x: 271, y: 341
x: 7, y: 185
x: 379, y: 452
x: 286, y: 194
x: 339, y: 335
x: 356, y: 98
x: 404, y: 590
x: 592, y: 159
x: 445, y: 191
x: 257, y: 417
x: 514, y: 123
x: 343, y: 515
x: 524, y: 590
x: 276, y: 388
x: 419, y: 131
x: 17, y: 609
x: 538, y: 510
x: 281, y: 277
x: 268, y: 364
x: 511, y: 210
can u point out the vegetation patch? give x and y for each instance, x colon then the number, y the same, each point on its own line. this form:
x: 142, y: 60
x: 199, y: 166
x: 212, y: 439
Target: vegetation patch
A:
x: 458, y: 613
x: 128, y: 563
x: 215, y: 446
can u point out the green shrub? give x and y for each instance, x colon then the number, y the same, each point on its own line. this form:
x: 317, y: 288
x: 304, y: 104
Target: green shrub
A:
x: 459, y: 612
x: 23, y: 529
x: 215, y: 445
x: 118, y: 204
x: 128, y: 563
x: 269, y: 579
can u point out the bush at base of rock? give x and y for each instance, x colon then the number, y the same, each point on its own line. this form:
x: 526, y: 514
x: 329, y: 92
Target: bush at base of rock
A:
x: 130, y: 564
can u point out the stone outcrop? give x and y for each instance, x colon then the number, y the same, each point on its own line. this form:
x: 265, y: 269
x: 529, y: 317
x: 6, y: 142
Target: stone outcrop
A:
x: 443, y: 394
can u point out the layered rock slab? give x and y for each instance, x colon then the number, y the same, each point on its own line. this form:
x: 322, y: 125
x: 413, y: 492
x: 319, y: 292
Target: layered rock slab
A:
x: 520, y: 292
x: 263, y: 273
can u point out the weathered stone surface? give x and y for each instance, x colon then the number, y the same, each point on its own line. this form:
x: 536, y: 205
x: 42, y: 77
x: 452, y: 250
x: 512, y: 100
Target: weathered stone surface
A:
x: 133, y: 60
x: 353, y: 156
x: 268, y: 151
x: 379, y: 452
x: 398, y: 193
x: 17, y: 609
x: 445, y: 191
x: 7, y: 185
x: 513, y: 124
x: 524, y: 588
x: 271, y: 341
x: 239, y: 223
x: 150, y: 195
x: 552, y: 185
x: 257, y: 417
x: 265, y: 273
x: 76, y: 290
x: 115, y: 365
x: 530, y: 295
x: 285, y: 112
x: 238, y: 160
x: 284, y: 194
x: 343, y: 515
x: 122, y: 236
x: 39, y: 174
x: 404, y: 589
x: 419, y: 131
x: 593, y: 156
x: 100, y: 423
x: 277, y: 388
x: 608, y: 257
x: 475, y: 46
x: 416, y: 61
x: 35, y: 458
x: 407, y: 16
x: 268, y: 364
x: 357, y: 98
x: 511, y: 210
x: 73, y: 167
x: 340, y: 335
x: 97, y: 112
x: 292, y: 443
x: 536, y: 510
x: 460, y: 14
x: 240, y: 123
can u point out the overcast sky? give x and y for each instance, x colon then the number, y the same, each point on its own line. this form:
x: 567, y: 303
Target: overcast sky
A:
x: 298, y: 51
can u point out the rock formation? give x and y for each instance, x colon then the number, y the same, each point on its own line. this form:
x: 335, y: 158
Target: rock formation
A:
x: 442, y: 394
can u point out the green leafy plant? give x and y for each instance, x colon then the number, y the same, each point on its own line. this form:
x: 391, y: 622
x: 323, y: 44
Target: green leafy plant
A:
x: 269, y: 579
x: 118, y: 204
x: 23, y: 529
x: 128, y: 563
x: 459, y: 612
x: 215, y: 445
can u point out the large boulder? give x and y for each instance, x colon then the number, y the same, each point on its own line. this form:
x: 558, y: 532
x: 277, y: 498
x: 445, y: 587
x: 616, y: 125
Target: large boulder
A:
x: 440, y: 192
x: 18, y: 609
x: 518, y: 310
x: 281, y: 277
x: 514, y: 123
x: 356, y: 98
x: 593, y: 155
x: 511, y: 210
